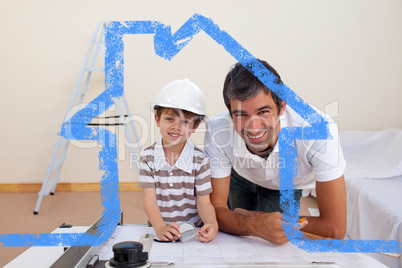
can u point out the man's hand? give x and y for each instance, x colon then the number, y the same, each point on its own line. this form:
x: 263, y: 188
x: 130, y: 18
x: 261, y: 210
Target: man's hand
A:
x: 267, y: 225
x: 244, y: 222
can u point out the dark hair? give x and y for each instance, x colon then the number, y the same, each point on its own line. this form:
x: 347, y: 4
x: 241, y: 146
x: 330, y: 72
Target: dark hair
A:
x: 197, y: 118
x: 241, y: 84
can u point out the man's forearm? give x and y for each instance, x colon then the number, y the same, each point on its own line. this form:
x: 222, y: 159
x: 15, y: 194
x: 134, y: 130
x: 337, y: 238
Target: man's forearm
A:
x: 260, y: 224
x: 255, y: 223
x: 331, y: 202
x: 230, y: 222
x: 324, y: 228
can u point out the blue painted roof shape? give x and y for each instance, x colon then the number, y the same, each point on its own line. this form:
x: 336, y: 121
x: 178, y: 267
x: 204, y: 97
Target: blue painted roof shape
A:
x: 167, y: 45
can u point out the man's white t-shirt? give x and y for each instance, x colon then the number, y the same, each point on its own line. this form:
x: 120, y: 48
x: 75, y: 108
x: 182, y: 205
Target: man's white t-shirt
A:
x: 318, y: 160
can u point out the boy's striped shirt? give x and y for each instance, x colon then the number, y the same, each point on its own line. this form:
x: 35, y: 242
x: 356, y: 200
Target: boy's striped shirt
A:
x: 177, y: 186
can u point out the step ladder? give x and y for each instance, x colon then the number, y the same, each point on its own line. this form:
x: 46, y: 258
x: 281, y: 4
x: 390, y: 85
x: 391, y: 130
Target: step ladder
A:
x: 60, y: 151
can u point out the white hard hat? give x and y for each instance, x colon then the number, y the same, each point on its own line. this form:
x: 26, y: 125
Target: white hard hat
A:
x: 182, y: 94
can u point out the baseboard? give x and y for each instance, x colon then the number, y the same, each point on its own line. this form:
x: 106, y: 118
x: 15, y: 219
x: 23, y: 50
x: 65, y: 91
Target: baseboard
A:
x: 64, y: 187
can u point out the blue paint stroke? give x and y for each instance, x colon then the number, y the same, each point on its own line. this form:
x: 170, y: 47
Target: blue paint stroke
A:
x: 167, y: 45
x: 109, y: 194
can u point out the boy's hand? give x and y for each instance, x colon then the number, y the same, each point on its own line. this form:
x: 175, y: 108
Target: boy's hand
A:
x: 208, y: 232
x: 168, y: 233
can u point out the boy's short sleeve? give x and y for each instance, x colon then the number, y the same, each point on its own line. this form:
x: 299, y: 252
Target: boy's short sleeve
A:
x: 146, y: 176
x: 203, y: 177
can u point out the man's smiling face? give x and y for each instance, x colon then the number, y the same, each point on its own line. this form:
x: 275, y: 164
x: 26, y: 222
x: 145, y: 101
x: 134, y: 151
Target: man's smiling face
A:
x: 256, y: 120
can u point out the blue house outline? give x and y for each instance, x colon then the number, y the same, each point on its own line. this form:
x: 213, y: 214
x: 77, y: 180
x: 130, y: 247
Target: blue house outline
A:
x: 167, y: 45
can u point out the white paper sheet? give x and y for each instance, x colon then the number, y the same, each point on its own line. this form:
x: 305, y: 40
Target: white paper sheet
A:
x: 39, y: 257
x: 227, y: 248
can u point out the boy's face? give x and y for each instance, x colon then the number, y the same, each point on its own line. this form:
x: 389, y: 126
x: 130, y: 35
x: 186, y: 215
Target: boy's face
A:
x: 175, y: 129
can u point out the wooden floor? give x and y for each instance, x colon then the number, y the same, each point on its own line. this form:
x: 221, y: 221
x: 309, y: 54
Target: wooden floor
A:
x: 77, y: 208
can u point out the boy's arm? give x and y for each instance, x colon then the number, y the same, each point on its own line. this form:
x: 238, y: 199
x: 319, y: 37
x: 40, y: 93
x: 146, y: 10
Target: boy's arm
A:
x: 207, y: 215
x: 152, y: 210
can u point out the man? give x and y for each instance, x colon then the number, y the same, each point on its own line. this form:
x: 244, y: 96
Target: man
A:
x: 242, y: 145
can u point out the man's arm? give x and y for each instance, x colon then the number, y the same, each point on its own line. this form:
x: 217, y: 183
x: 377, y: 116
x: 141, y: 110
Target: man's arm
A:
x: 265, y: 225
x: 331, y: 201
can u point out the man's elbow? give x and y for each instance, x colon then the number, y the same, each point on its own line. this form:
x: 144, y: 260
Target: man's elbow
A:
x: 337, y: 231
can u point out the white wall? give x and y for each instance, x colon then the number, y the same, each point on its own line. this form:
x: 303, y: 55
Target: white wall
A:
x: 343, y: 56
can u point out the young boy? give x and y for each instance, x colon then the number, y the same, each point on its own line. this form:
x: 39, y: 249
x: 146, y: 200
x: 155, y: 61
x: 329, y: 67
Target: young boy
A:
x: 174, y: 173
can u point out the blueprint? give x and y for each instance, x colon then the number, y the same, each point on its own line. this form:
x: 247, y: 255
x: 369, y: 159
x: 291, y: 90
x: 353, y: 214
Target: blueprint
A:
x: 227, y: 248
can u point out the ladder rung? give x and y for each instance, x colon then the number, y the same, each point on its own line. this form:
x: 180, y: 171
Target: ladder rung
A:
x: 106, y: 124
x: 58, y: 162
x: 82, y: 92
x: 94, y: 69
